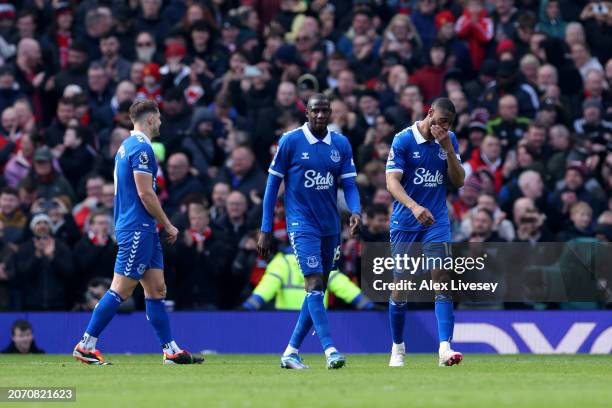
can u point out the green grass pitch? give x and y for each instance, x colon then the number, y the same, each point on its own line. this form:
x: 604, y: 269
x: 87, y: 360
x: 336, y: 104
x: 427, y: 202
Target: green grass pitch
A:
x: 490, y: 381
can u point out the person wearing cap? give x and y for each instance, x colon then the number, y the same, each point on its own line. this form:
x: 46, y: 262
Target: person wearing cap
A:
x: 509, y: 127
x: 151, y: 88
x: 509, y: 82
x: 46, y: 180
x: 593, y: 126
x: 43, y: 267
x: 445, y: 27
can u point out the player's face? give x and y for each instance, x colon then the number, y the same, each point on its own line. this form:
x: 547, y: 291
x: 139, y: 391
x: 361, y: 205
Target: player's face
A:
x: 440, y: 118
x: 318, y: 114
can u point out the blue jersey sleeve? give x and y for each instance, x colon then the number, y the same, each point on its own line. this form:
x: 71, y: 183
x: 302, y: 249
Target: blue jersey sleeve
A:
x: 281, y: 160
x: 348, y: 164
x: 455, y: 145
x: 142, y: 159
x: 395, y: 161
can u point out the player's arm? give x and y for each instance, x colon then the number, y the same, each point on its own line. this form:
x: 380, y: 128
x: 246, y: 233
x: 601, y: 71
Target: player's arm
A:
x: 144, y: 186
x: 394, y: 185
x: 394, y: 172
x: 277, y: 171
x: 349, y: 187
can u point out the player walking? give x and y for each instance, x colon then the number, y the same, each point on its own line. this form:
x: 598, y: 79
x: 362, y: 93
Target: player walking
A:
x: 421, y: 160
x: 312, y: 160
x: 140, y: 258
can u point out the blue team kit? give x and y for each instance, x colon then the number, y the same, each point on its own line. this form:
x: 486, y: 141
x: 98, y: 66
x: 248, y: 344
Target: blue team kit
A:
x: 424, y: 176
x: 137, y: 237
x: 312, y: 169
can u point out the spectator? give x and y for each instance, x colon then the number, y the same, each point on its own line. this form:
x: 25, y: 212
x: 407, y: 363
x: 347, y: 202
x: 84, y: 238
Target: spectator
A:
x: 181, y: 181
x: 94, y: 254
x: 75, y: 71
x: 47, y: 181
x: 7, y: 268
x: 22, y: 339
x: 376, y: 224
x: 530, y: 223
x: 508, y: 126
x: 93, y: 189
x: 44, y: 269
x: 487, y: 156
x: 220, y: 192
x: 150, y: 19
x: 206, y: 152
x: 583, y: 60
x: 199, y: 272
x: 96, y: 288
x: 361, y: 25
x: 508, y: 82
x: 176, y: 118
x: 551, y: 21
x: 476, y: 29
x: 64, y: 113
x: 243, y: 175
x: 77, y: 157
x: 593, y: 127
x: 482, y: 221
x: 117, y: 67
x: 579, y: 223
x: 502, y: 226
x: 20, y: 164
x: 459, y: 55
x: 12, y: 218
x: 429, y: 78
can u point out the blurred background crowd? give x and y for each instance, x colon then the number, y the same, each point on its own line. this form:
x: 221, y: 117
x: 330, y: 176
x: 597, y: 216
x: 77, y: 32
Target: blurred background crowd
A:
x: 531, y: 82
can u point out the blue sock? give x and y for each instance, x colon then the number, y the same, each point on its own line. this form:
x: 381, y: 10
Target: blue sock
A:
x: 157, y: 316
x: 103, y: 313
x: 302, y: 327
x: 445, y: 317
x: 397, y: 318
x: 319, y: 317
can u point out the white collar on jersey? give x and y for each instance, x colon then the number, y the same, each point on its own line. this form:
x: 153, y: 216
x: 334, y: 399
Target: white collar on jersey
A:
x: 417, y: 134
x: 312, y: 138
x: 137, y: 132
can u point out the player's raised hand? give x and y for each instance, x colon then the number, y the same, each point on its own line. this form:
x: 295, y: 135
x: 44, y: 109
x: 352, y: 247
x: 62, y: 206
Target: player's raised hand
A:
x: 443, y: 137
x: 172, y: 233
x: 263, y: 244
x: 355, y: 223
x: 423, y: 215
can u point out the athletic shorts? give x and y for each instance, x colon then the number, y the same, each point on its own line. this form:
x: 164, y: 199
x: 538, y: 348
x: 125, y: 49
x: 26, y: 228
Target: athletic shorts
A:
x: 138, y: 252
x: 432, y: 243
x: 314, y: 253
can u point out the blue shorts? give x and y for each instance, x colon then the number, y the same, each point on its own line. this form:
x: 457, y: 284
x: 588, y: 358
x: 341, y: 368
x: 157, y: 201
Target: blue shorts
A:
x: 138, y: 252
x: 314, y: 253
x: 433, y: 242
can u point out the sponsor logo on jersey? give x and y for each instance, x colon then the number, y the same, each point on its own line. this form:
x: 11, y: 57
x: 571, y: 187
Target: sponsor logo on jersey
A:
x: 335, y: 156
x: 425, y: 178
x: 318, y: 181
x: 312, y: 261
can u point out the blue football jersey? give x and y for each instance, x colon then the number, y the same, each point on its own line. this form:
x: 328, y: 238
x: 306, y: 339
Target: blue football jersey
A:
x: 312, y: 169
x: 134, y: 156
x: 424, y: 177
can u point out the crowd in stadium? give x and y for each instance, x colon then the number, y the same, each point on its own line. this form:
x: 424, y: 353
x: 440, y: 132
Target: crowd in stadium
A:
x: 531, y: 82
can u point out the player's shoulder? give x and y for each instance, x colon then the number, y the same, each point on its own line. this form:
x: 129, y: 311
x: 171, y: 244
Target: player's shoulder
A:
x: 291, y: 136
x: 338, y: 139
x: 404, y: 137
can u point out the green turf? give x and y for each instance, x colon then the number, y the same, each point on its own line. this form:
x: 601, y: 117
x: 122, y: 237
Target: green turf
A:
x: 490, y: 381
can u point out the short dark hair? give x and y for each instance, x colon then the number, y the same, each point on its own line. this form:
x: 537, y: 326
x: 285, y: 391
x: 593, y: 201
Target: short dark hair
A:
x: 66, y: 101
x: 444, y: 105
x: 486, y: 211
x: 9, y: 191
x: 377, y: 209
x: 141, y: 107
x: 22, y: 325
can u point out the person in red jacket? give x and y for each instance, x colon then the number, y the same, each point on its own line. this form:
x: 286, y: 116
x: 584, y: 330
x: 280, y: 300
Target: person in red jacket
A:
x: 487, y: 156
x: 475, y: 27
x: 430, y: 78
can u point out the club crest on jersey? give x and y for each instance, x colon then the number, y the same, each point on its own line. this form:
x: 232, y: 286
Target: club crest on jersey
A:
x: 312, y: 261
x: 335, y: 156
x: 143, y: 158
x: 425, y: 178
x: 442, y: 154
x: 318, y: 181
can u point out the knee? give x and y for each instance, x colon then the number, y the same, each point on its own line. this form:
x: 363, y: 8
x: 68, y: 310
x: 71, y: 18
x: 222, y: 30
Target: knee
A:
x: 159, y: 292
x: 315, y: 283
